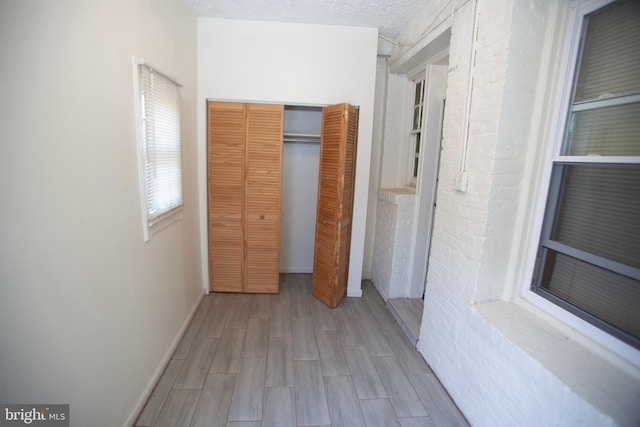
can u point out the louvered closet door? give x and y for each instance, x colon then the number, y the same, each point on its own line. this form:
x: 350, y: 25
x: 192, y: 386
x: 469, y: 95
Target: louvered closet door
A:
x: 263, y: 189
x: 225, y: 169
x: 335, y: 202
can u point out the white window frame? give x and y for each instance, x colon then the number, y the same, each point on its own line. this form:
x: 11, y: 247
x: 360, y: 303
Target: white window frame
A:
x: 590, y: 335
x: 413, y: 161
x: 155, y: 218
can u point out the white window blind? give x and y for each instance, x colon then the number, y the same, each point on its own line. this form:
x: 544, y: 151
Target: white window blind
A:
x: 589, y: 256
x: 161, y: 144
x: 609, y: 66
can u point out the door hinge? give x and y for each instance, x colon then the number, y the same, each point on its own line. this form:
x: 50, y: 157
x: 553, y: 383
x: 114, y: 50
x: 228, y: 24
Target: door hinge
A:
x: 346, y: 113
x: 339, y: 225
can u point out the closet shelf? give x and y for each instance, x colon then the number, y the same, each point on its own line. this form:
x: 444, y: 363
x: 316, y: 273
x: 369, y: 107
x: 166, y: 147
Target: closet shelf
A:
x: 301, y: 137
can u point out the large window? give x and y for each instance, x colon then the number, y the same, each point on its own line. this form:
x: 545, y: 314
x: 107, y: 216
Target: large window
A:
x: 589, y: 254
x: 160, y: 146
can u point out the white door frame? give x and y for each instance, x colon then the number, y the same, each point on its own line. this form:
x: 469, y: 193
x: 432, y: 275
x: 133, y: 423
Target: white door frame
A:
x: 436, y: 81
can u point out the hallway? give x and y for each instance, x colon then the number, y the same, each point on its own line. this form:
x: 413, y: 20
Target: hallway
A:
x: 288, y: 360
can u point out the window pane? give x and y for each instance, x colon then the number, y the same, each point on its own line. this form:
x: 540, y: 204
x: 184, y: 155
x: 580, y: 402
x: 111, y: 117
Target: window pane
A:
x: 416, y: 118
x: 611, y: 56
x: 611, y: 131
x: 609, y: 296
x: 599, y: 211
x: 418, y: 143
x: 418, y: 96
x: 589, y: 258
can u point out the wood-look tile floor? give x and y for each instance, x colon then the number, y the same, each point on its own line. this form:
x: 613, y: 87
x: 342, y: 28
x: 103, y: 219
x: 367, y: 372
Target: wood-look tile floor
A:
x: 408, y: 313
x: 249, y: 360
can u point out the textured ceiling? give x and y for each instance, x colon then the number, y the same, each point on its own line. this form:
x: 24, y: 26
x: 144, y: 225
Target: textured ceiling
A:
x: 389, y: 16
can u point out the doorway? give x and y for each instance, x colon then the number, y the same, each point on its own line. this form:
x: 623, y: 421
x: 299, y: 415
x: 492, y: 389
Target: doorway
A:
x: 408, y: 311
x: 428, y: 179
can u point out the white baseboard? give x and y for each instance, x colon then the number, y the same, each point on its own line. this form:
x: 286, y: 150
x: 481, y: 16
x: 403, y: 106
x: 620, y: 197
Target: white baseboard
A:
x: 160, y: 369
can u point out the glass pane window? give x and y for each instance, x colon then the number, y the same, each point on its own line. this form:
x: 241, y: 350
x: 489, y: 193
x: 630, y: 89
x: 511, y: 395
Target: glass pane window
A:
x: 598, y: 210
x: 589, y: 254
x: 610, y: 54
x: 418, y: 104
x: 579, y: 284
x: 416, y: 130
x: 608, y: 131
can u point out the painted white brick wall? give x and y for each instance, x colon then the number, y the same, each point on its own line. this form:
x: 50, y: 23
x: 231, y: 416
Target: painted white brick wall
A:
x: 394, y: 225
x: 384, y: 247
x: 395, y: 204
x: 493, y: 377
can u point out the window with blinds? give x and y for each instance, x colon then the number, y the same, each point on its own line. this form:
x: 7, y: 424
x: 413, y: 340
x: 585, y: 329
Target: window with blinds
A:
x: 589, y: 255
x: 160, y: 150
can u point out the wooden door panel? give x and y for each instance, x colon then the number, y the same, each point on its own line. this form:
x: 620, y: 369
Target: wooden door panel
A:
x: 224, y: 266
x: 225, y: 193
x: 323, y: 268
x: 264, y: 264
x: 329, y: 194
x: 263, y: 187
x: 328, y: 181
x: 335, y: 203
x: 244, y: 164
x: 260, y: 228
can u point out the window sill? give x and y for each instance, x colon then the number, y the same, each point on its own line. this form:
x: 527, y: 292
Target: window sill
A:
x: 396, y: 195
x: 162, y: 222
x: 595, y: 376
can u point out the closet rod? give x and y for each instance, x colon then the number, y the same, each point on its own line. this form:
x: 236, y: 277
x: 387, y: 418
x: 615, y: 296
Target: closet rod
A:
x: 300, y: 137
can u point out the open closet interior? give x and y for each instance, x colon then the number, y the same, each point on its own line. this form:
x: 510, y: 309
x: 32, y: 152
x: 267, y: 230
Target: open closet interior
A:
x: 280, y: 195
x: 300, y: 168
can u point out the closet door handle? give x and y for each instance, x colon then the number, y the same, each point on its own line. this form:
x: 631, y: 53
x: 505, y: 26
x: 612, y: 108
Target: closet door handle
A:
x: 261, y: 216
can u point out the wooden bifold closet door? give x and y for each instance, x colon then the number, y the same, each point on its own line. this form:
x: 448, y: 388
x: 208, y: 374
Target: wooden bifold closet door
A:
x: 335, y: 202
x: 244, y: 164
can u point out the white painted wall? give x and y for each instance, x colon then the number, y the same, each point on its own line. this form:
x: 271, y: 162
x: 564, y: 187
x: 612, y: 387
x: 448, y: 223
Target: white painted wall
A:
x: 405, y: 213
x: 503, y: 362
x: 397, y: 119
x: 300, y: 165
x: 392, y: 253
x: 291, y: 64
x: 394, y: 202
x: 88, y: 311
